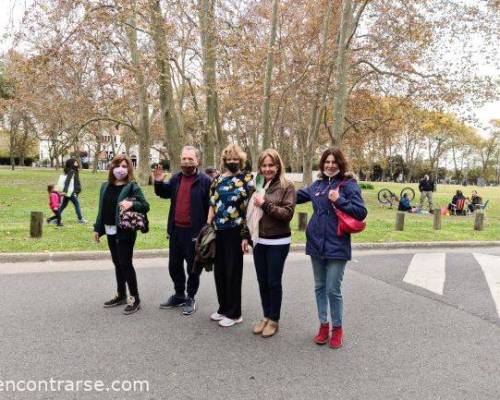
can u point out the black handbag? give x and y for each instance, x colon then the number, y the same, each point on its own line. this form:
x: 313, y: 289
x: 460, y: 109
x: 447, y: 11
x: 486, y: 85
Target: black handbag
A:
x: 133, y: 220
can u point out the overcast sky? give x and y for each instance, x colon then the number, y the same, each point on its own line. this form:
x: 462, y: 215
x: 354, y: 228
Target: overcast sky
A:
x: 11, y: 12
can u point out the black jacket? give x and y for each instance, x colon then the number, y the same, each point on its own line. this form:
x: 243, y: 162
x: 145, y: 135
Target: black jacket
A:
x: 200, y: 193
x: 427, y: 186
x: 72, y: 173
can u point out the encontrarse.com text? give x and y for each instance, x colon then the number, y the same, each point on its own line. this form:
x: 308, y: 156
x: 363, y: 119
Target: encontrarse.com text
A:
x: 59, y: 385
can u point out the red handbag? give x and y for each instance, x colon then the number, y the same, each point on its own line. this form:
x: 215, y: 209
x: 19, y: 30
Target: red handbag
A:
x: 345, y: 222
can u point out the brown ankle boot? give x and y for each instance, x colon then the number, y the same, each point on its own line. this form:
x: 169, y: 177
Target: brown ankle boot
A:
x: 270, y: 329
x: 257, y: 329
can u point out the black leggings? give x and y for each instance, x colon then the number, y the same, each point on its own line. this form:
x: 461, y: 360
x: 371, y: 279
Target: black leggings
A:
x: 56, y: 216
x: 122, y: 251
x: 228, y: 271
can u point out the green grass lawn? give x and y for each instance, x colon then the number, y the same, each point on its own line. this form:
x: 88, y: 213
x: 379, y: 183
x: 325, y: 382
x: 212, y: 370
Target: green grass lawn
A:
x: 22, y: 191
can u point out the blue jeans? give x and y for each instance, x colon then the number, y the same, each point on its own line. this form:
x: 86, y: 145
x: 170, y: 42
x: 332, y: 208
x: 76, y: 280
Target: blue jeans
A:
x: 269, y: 263
x: 74, y: 199
x: 328, y: 275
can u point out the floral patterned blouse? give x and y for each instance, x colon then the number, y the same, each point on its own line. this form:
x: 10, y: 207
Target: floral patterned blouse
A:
x: 229, y: 197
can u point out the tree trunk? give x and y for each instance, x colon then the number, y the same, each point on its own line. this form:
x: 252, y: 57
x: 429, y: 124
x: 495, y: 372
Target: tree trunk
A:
x: 212, y: 135
x: 319, y: 102
x: 169, y: 115
x: 142, y: 132
x: 12, y: 146
x: 95, y: 161
x: 342, y: 71
x: 266, y: 117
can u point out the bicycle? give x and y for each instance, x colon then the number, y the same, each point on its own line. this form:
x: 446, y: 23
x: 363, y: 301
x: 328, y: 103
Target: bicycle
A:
x: 387, y: 197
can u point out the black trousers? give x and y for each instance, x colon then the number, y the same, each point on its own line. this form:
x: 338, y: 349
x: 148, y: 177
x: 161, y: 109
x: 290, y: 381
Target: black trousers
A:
x: 269, y: 264
x: 56, y: 216
x: 181, y: 248
x: 122, y: 251
x: 228, y: 271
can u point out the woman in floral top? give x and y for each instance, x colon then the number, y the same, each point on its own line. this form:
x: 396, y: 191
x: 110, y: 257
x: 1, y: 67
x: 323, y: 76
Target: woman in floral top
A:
x: 229, y: 196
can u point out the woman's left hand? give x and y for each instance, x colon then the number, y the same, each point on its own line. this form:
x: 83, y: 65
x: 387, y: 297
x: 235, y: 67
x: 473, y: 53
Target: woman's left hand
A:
x: 126, y: 205
x: 258, y: 200
x: 333, y: 195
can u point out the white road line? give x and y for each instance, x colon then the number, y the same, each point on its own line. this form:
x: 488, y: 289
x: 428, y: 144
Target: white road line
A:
x: 427, y: 270
x: 491, y: 269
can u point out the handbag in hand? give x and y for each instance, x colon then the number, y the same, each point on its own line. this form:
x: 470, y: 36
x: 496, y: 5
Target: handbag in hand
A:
x: 133, y: 221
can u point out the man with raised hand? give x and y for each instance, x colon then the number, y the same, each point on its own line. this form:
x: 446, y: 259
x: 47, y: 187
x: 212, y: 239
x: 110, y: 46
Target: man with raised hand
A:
x: 188, y: 192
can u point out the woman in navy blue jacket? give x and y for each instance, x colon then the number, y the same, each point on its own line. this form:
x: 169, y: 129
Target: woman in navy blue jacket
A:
x: 329, y: 253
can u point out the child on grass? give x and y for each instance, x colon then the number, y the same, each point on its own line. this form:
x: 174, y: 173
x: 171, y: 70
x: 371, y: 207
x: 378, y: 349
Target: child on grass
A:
x: 54, y: 204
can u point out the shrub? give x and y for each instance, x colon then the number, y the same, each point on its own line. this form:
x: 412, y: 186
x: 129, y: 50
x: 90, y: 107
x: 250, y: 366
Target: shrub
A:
x: 366, y: 186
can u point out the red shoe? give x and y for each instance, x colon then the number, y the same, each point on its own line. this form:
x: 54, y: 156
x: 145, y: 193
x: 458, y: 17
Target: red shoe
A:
x: 323, y: 334
x: 336, y: 339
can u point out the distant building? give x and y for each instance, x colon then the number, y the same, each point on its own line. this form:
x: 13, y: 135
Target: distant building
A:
x: 110, y: 147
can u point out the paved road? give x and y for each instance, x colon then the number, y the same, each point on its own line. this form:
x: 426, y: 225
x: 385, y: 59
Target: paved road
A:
x: 409, y: 334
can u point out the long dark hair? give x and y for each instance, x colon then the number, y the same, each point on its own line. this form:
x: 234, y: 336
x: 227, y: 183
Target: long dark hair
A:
x: 340, y: 159
x: 70, y: 164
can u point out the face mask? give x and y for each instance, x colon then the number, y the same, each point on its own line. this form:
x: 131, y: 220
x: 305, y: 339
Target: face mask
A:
x: 188, y: 168
x: 120, y: 173
x: 232, y: 167
x: 330, y: 175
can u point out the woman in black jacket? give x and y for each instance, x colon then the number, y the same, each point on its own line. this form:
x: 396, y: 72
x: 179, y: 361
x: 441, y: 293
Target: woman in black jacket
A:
x: 71, y: 169
x: 118, y: 194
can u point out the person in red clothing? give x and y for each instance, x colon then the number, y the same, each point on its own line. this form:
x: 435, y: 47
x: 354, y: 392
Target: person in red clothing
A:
x: 188, y: 192
x: 54, y: 204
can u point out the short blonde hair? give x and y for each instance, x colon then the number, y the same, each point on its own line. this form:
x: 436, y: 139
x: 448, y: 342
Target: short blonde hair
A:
x: 277, y: 160
x: 233, y: 150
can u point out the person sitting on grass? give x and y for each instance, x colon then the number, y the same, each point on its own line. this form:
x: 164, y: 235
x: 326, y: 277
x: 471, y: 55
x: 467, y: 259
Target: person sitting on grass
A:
x: 458, y: 196
x: 404, y: 203
x: 475, y: 201
x: 54, y: 204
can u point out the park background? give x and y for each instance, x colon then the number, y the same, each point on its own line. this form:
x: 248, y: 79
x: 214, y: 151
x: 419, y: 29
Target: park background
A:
x: 24, y: 191
x: 405, y: 88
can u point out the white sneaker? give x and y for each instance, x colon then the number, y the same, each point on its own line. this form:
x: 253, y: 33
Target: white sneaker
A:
x: 226, y: 322
x: 217, y: 317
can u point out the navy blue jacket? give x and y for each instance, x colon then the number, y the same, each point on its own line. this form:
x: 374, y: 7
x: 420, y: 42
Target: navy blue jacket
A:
x: 200, y: 192
x: 321, y: 234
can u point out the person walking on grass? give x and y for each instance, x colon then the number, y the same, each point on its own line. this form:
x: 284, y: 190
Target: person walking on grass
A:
x: 426, y: 187
x: 188, y: 192
x: 120, y: 193
x: 229, y: 196
x: 271, y: 241
x: 329, y: 252
x: 71, y: 170
x: 54, y: 204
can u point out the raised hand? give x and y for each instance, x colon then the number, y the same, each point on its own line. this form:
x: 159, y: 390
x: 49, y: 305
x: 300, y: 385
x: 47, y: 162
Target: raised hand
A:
x: 158, y: 173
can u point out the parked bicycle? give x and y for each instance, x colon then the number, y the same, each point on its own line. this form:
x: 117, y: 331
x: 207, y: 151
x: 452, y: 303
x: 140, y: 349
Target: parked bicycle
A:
x: 387, y: 198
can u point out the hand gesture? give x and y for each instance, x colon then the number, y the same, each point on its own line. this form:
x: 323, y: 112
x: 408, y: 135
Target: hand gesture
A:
x: 125, y: 205
x: 96, y: 237
x: 333, y: 195
x: 258, y: 199
x: 158, y: 173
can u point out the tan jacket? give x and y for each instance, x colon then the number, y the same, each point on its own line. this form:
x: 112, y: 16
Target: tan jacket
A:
x: 278, y: 207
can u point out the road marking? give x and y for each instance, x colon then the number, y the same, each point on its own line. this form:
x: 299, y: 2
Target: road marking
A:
x: 427, y: 270
x: 491, y: 269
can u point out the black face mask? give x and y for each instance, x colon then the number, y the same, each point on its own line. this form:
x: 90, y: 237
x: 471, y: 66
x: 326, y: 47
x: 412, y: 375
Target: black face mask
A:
x: 188, y: 171
x: 232, y: 167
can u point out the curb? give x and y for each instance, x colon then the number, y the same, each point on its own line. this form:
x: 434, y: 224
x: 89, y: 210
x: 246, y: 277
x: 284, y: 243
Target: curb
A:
x: 99, y: 255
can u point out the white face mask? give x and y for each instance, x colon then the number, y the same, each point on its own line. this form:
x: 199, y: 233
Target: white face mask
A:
x: 330, y: 175
x: 120, y: 173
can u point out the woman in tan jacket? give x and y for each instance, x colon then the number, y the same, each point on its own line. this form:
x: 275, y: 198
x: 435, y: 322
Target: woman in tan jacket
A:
x: 271, y: 245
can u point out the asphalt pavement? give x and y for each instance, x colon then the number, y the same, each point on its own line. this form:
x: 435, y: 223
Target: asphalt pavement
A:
x: 408, y: 335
